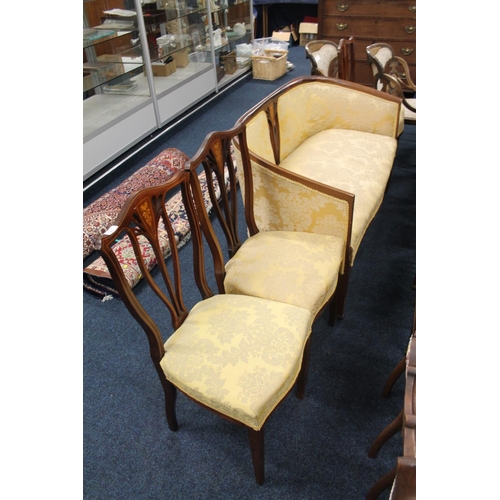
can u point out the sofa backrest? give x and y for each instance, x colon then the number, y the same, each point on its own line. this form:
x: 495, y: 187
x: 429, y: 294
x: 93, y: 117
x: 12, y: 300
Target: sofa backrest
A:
x: 306, y: 105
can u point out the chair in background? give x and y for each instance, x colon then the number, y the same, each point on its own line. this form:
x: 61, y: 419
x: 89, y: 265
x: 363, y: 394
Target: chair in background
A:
x: 323, y: 55
x: 297, y: 266
x: 401, y: 479
x: 332, y: 60
x: 347, y: 62
x: 391, y: 74
x: 236, y: 355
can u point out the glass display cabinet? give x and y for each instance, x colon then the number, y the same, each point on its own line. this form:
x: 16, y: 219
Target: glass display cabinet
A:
x: 146, y: 63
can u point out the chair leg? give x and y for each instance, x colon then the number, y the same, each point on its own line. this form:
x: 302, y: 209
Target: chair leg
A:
x: 256, y: 439
x: 392, y: 429
x: 381, y: 485
x: 170, y: 392
x: 341, y: 292
x: 304, y: 371
x: 332, y: 311
x: 394, y: 375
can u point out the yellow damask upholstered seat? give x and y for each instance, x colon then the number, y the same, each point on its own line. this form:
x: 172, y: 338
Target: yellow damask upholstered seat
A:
x: 237, y: 355
x: 291, y: 264
x: 297, y: 268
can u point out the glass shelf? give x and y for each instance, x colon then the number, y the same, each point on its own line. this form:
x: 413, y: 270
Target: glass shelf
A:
x: 145, y: 63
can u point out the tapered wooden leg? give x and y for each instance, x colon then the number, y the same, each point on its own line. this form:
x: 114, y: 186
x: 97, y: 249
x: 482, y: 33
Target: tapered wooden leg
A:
x: 332, y: 313
x: 341, y: 292
x: 170, y: 398
x: 392, y: 429
x: 304, y: 371
x: 393, y: 377
x: 381, y: 485
x: 256, y: 439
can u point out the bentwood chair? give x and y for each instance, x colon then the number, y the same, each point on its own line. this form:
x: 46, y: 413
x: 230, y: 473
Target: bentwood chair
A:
x: 391, y: 74
x: 236, y: 355
x: 295, y: 265
x: 323, y: 55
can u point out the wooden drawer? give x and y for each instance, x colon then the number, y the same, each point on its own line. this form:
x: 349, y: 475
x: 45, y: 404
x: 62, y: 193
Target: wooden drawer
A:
x: 356, y: 26
x: 377, y: 8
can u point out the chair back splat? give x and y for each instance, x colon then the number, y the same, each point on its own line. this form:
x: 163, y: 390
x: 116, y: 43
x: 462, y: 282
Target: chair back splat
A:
x: 218, y: 349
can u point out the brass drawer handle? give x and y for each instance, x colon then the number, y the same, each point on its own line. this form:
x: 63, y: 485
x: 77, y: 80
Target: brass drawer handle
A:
x: 412, y: 8
x: 342, y: 7
x: 407, y: 51
x: 341, y: 26
x: 410, y: 29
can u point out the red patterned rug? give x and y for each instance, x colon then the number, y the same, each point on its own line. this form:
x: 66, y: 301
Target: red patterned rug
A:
x: 100, y: 215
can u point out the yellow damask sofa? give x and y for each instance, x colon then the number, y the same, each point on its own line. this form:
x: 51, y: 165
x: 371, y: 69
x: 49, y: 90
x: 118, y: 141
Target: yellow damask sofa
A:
x: 334, y: 132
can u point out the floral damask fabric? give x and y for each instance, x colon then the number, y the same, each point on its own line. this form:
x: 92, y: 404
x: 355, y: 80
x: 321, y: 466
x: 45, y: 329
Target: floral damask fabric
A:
x: 297, y: 268
x: 281, y: 204
x: 356, y: 162
x: 238, y: 355
x: 308, y: 109
x: 100, y: 214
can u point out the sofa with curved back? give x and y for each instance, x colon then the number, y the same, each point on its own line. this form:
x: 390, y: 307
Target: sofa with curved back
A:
x: 335, y: 132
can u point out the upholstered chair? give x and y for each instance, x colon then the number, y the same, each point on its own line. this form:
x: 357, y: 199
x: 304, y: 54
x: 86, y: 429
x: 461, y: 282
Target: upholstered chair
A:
x: 303, y: 262
x: 332, y: 60
x: 323, y: 55
x: 236, y: 355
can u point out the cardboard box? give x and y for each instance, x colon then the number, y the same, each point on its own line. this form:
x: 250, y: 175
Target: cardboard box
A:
x: 308, y: 32
x: 283, y: 36
x: 181, y: 58
x: 229, y: 62
x: 160, y: 69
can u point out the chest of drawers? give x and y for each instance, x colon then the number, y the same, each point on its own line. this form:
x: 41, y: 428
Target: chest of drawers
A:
x: 371, y: 21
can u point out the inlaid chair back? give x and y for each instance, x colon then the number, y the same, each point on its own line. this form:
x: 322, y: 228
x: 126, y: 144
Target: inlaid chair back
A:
x: 302, y: 264
x: 323, y: 55
x: 216, y: 350
x: 391, y: 74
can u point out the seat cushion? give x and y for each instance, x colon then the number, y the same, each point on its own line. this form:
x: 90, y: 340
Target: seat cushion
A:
x: 238, y: 355
x: 293, y: 267
x: 357, y: 162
